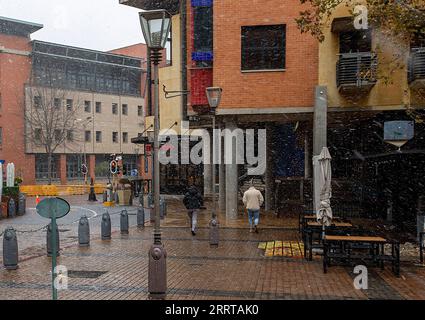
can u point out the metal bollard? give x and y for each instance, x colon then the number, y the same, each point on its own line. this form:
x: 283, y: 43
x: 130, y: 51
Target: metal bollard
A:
x: 10, y: 249
x: 214, y: 235
x: 141, y: 217
x: 49, y: 241
x: 157, y: 272
x: 106, y: 226
x: 12, y: 208
x: 124, y: 222
x: 84, y: 232
x: 22, y: 204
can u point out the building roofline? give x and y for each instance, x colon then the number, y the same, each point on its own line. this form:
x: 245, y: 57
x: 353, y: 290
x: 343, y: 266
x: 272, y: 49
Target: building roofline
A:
x: 125, y: 47
x: 85, y: 49
x: 26, y: 27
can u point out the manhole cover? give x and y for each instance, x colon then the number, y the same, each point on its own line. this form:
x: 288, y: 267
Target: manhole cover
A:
x: 85, y: 274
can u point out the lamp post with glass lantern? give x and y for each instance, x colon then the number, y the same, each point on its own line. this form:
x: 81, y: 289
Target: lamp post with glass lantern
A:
x: 214, y: 98
x: 156, y: 27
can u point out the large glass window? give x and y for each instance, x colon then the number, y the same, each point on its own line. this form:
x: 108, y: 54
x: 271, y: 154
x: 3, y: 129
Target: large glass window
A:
x: 73, y: 166
x: 203, y: 28
x: 263, y: 47
x: 41, y: 167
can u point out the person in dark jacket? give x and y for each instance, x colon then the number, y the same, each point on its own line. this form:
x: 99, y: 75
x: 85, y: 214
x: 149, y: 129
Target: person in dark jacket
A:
x: 193, y: 201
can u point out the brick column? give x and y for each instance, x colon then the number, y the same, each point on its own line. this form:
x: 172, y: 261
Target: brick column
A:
x: 62, y: 169
x: 92, y: 167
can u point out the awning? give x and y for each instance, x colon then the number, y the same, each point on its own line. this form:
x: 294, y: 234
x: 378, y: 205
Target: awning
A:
x: 343, y: 24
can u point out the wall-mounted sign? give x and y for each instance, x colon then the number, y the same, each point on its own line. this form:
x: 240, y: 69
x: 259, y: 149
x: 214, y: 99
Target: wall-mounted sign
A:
x: 398, y: 133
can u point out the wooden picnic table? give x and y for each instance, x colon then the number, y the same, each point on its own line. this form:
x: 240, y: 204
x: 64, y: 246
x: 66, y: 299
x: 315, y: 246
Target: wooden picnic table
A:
x: 333, y: 224
x: 341, y: 248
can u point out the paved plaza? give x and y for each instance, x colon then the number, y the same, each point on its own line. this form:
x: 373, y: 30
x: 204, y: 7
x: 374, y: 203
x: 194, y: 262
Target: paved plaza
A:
x: 237, y: 269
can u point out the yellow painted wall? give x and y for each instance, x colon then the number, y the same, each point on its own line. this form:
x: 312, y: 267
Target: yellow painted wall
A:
x: 393, y: 95
x: 170, y: 109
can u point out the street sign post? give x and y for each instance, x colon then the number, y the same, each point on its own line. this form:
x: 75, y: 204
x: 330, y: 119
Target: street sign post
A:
x: 53, y: 208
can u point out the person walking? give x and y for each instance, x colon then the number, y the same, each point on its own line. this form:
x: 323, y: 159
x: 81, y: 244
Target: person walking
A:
x: 253, y: 200
x: 193, y: 201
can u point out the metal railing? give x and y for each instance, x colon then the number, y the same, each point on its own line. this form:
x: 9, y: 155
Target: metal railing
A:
x: 356, y: 70
x: 416, y: 66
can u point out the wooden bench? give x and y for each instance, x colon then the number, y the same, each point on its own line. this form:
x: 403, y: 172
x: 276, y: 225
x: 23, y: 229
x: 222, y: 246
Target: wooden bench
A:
x: 341, y: 248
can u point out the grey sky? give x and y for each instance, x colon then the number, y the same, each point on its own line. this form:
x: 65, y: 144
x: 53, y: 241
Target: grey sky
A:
x: 94, y: 24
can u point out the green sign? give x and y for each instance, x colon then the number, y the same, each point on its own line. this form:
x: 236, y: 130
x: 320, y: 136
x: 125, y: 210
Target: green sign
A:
x: 53, y: 208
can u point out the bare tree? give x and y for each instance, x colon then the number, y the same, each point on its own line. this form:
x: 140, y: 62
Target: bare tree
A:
x: 50, y: 118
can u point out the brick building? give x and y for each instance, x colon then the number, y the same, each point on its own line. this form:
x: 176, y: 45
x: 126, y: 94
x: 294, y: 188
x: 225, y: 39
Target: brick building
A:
x: 106, y: 89
x: 268, y: 71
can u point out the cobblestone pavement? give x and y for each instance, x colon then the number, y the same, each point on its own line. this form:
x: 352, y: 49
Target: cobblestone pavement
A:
x: 237, y: 269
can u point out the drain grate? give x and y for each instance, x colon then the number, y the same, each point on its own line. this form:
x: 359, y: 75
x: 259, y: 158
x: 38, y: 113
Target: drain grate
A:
x: 85, y: 274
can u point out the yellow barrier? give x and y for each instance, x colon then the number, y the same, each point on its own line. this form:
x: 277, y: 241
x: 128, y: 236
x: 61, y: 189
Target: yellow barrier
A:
x: 60, y: 190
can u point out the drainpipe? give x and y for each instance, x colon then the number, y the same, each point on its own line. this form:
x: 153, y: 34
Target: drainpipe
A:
x: 183, y: 39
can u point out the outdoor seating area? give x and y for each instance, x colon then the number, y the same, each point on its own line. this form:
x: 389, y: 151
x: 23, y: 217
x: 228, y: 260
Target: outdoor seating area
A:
x: 346, y: 243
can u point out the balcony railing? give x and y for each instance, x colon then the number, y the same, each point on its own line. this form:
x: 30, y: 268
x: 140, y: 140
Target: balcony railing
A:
x: 356, y: 71
x: 416, y: 68
x: 172, y: 6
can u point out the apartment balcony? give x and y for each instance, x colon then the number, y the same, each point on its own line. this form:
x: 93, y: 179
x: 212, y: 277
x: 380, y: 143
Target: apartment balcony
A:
x: 172, y: 6
x: 416, y: 68
x: 356, y: 72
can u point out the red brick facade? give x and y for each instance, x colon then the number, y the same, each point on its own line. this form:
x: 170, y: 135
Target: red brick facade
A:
x: 15, y: 68
x: 293, y: 87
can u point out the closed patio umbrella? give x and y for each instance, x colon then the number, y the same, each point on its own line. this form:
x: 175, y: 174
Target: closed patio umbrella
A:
x: 324, y: 214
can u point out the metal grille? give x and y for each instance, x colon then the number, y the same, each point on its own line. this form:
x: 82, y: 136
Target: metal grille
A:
x: 356, y: 69
x: 416, y: 68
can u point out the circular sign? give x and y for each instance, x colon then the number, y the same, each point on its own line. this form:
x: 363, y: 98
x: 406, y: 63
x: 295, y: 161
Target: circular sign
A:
x: 53, y: 208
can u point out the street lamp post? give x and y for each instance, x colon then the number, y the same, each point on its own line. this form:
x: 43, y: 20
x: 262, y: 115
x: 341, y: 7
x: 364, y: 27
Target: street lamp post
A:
x: 156, y: 27
x: 214, y: 98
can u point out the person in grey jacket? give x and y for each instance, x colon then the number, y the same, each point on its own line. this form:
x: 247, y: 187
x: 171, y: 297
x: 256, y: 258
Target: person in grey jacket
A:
x: 193, y: 201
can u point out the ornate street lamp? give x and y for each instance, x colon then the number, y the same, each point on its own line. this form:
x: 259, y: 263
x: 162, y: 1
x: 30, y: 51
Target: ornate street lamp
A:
x: 156, y: 26
x: 214, y: 98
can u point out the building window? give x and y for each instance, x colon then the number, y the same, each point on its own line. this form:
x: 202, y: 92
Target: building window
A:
x: 125, y: 109
x: 58, y: 135
x: 73, y: 166
x: 129, y: 164
x: 140, y: 111
x: 37, y: 102
x: 87, y: 136
x: 98, y: 107
x: 87, y: 106
x: 355, y: 41
x: 41, y: 167
x: 98, y: 136
x: 70, y: 135
x: 37, y: 134
x: 125, y: 137
x: 115, y: 137
x: 263, y: 47
x: 114, y: 108
x: 57, y: 103
x: 69, y: 104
